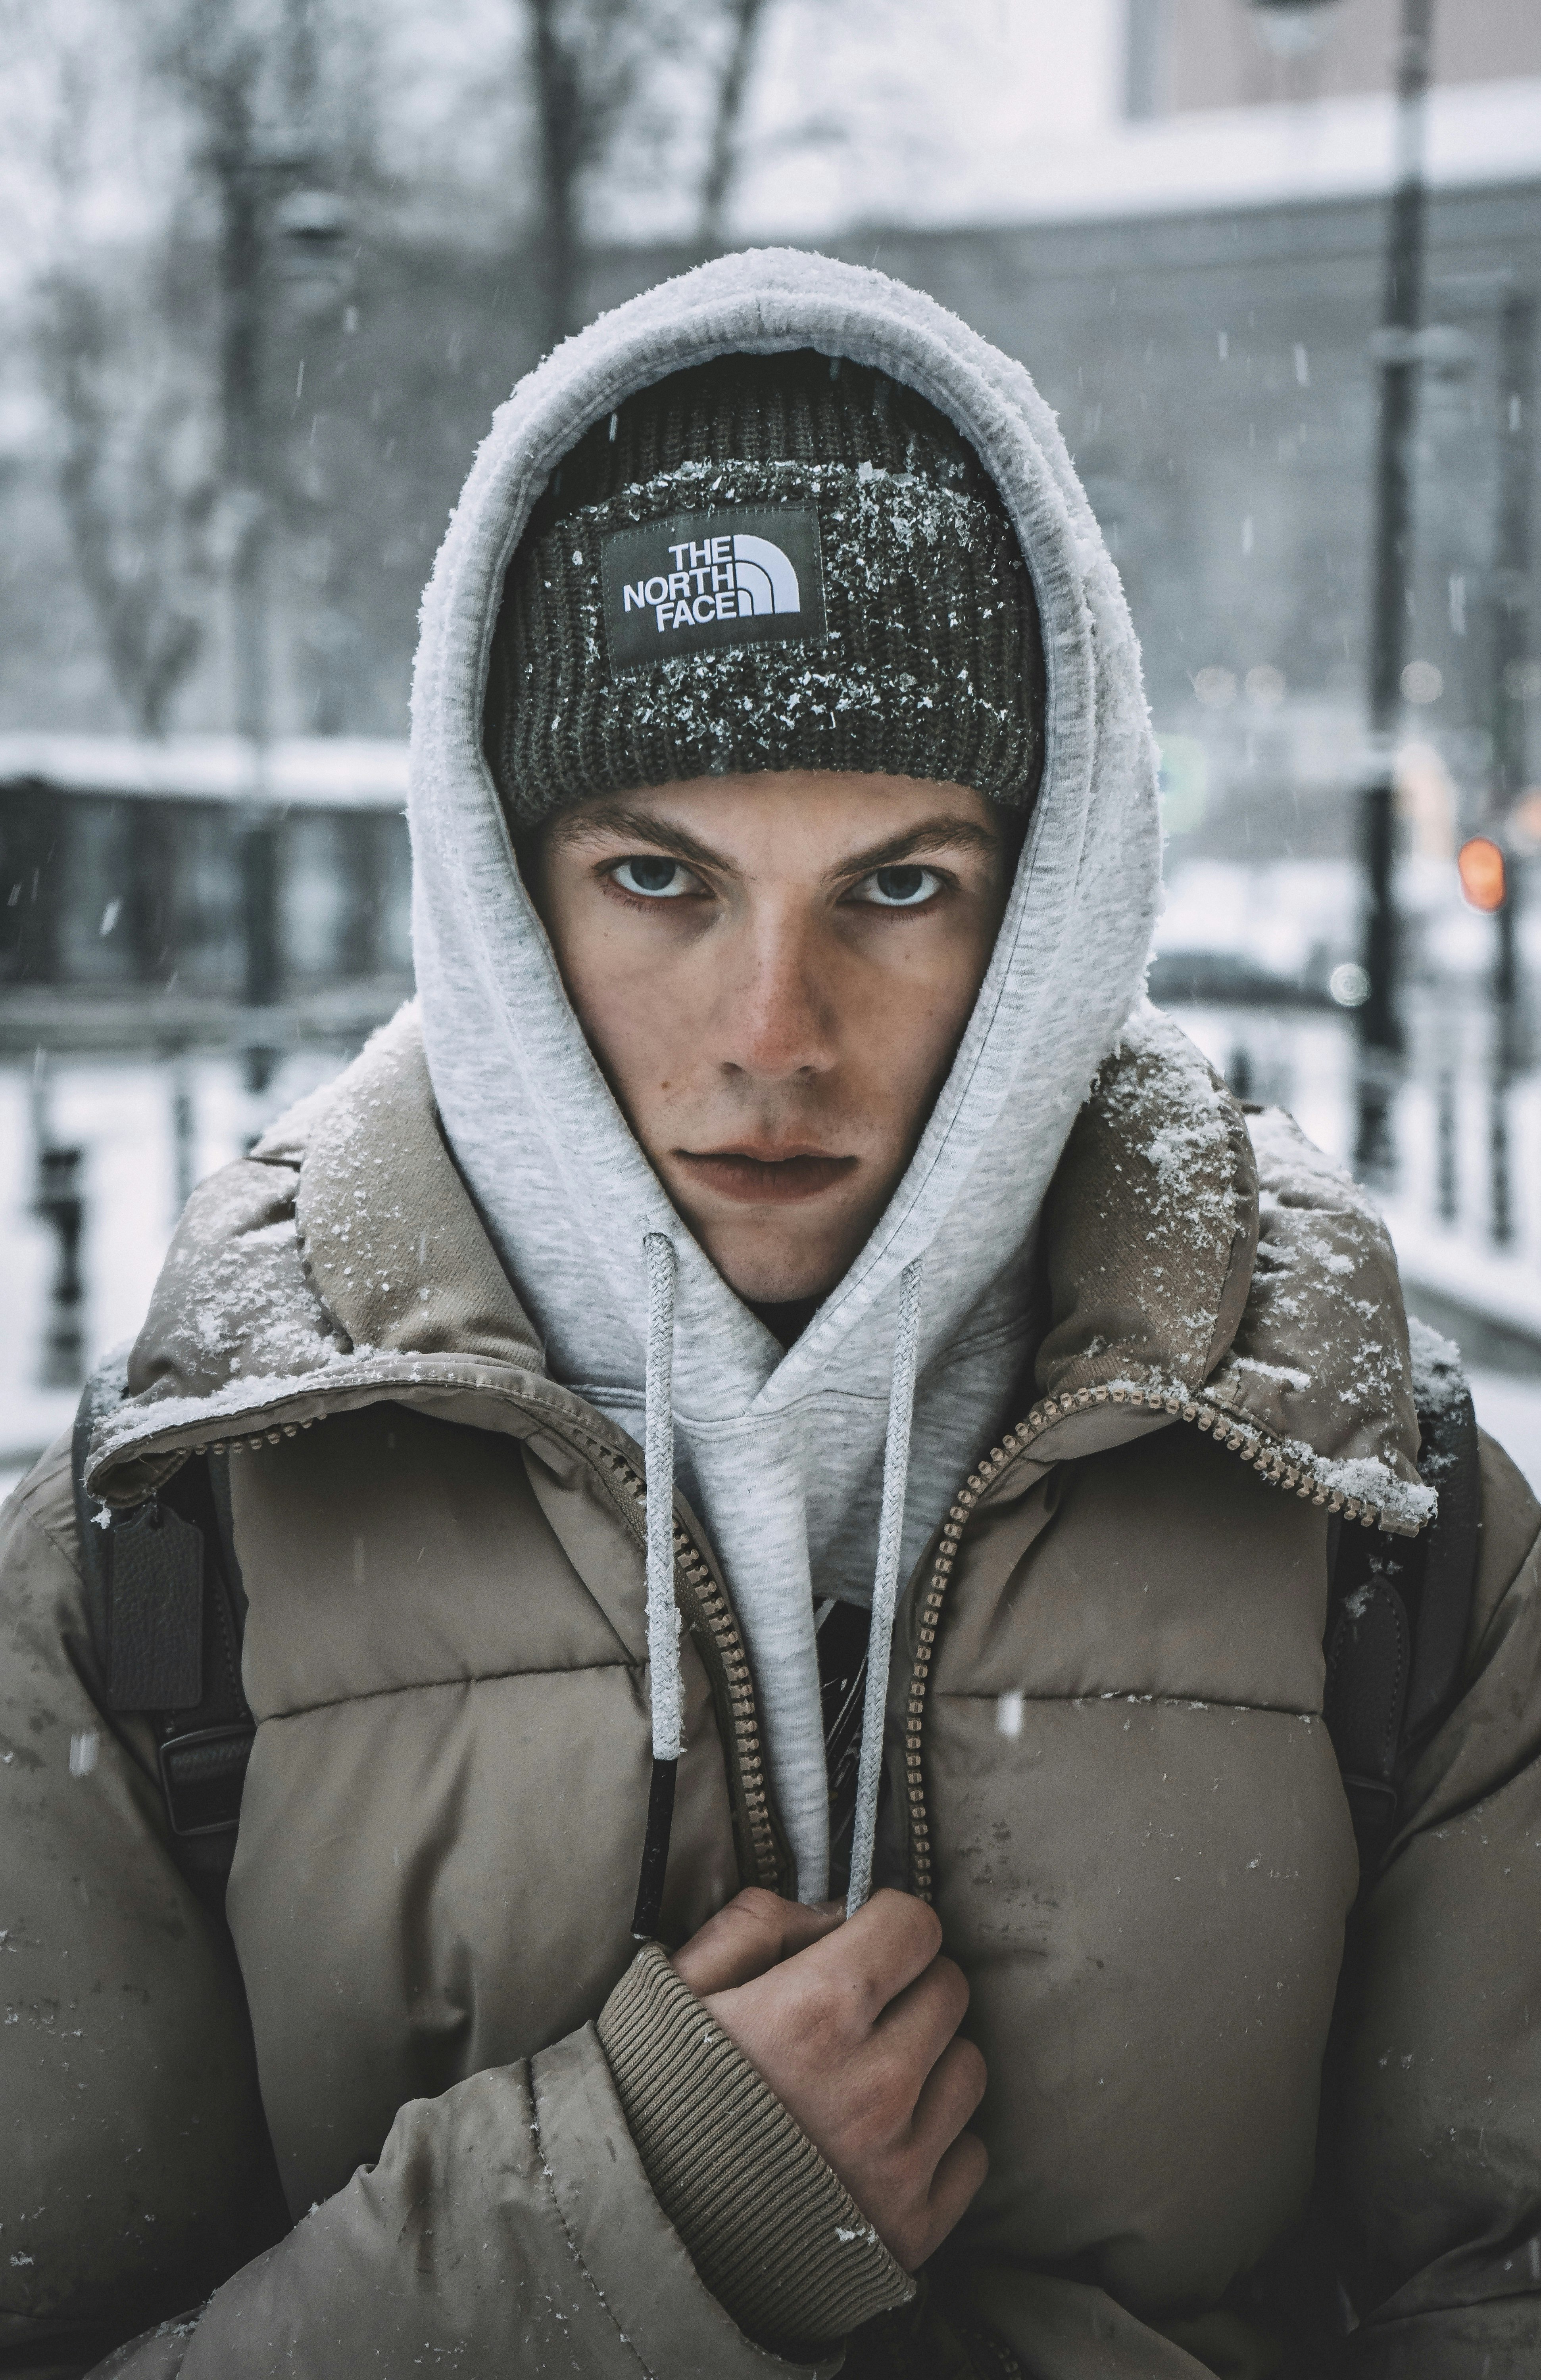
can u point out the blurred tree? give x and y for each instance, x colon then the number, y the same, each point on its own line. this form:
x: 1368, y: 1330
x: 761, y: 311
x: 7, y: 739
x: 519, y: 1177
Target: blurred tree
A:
x: 584, y: 71
x: 214, y: 55
x: 137, y: 484
x: 217, y: 182
x: 606, y: 72
x: 723, y: 155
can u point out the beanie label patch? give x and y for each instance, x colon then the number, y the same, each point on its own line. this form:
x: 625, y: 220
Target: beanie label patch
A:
x: 749, y: 574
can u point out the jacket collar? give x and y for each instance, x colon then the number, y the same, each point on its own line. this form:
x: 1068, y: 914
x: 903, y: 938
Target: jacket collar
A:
x: 1202, y: 1263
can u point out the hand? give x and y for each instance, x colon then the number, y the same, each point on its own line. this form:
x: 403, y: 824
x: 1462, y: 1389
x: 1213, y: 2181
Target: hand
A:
x: 854, y: 2028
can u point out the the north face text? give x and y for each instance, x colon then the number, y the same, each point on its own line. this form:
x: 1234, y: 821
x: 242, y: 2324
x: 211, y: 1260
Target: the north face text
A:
x: 722, y: 578
x: 706, y: 579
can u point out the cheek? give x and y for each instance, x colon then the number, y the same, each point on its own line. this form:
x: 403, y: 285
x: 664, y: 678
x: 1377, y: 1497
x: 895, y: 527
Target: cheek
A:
x: 635, y: 1008
x: 917, y: 994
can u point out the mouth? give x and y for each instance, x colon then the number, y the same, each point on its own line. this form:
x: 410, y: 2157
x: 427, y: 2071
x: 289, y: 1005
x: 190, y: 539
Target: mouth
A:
x: 761, y: 1177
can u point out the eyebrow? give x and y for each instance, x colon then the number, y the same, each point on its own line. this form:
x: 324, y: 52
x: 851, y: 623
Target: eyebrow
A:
x: 620, y: 820
x: 940, y: 834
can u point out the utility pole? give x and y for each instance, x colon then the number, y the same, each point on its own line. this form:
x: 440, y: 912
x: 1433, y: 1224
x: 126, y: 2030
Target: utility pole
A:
x: 1511, y: 618
x: 243, y: 174
x: 260, y: 167
x: 1382, y: 1036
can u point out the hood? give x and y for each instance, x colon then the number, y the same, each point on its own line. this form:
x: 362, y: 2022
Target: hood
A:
x: 784, y: 1452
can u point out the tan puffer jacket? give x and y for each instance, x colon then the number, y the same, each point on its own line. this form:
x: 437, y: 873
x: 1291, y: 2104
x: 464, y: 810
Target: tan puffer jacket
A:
x: 1107, y: 1769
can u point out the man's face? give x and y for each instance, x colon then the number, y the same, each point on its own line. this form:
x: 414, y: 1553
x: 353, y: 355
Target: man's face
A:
x: 774, y: 972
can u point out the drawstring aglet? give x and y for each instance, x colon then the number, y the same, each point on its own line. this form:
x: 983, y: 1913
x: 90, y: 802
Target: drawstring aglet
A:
x: 663, y: 1643
x: 655, y: 1851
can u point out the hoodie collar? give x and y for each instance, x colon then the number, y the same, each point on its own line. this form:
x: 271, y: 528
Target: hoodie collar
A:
x: 1280, y: 1319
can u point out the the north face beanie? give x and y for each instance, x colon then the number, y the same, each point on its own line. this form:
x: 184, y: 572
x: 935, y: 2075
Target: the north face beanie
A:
x: 766, y: 562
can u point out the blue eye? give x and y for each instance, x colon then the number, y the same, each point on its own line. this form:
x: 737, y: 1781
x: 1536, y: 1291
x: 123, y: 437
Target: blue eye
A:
x: 656, y: 879
x: 898, y: 887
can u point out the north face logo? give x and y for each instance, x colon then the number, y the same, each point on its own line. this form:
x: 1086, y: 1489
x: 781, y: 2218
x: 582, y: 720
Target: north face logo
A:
x: 736, y: 578
x: 705, y: 579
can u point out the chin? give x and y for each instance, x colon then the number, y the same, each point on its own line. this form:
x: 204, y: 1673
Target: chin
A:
x: 773, y: 1275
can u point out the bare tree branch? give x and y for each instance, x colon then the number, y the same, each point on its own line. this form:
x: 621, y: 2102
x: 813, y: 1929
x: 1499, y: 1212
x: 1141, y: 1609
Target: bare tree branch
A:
x: 586, y: 58
x: 136, y: 529
x: 743, y: 19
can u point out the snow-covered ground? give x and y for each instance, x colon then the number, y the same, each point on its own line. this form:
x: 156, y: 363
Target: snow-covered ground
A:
x: 120, y: 1115
x: 1491, y: 1299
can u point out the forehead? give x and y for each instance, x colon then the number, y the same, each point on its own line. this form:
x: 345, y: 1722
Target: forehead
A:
x: 794, y: 810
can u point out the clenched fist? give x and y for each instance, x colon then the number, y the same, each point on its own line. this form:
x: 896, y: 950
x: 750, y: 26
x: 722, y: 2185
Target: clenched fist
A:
x: 853, y: 2025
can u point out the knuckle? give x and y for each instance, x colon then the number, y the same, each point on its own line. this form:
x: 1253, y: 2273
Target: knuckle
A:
x: 921, y: 1925
x: 952, y: 1976
x: 926, y: 1925
x: 973, y: 2073
x: 889, y: 2088
x: 818, y: 2010
x: 760, y: 1905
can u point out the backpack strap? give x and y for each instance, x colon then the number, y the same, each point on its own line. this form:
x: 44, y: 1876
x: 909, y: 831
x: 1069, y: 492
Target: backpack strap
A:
x: 167, y: 1612
x: 1398, y: 1613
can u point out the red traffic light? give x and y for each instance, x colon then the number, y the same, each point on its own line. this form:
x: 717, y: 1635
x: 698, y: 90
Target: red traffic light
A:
x: 1483, y: 878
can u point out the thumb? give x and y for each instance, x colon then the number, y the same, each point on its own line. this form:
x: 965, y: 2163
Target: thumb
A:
x: 754, y: 1932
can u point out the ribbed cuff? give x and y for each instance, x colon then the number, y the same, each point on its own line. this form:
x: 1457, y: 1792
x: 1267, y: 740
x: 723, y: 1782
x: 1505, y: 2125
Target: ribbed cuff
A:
x: 774, y: 2233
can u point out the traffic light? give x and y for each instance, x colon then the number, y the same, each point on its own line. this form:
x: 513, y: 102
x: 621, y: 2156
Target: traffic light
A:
x: 1484, y: 879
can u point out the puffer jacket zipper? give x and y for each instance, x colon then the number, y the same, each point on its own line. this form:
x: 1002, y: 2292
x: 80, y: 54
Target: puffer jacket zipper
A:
x: 1268, y: 1461
x: 763, y: 1856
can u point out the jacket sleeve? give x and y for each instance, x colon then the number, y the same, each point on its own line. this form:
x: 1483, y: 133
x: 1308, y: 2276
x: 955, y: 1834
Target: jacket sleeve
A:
x: 508, y: 2225
x: 1432, y: 2121
x: 134, y: 2167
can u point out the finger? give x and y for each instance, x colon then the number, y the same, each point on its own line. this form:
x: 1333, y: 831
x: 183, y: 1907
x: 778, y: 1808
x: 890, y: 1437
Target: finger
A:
x: 955, y: 2184
x: 916, y: 2027
x: 877, y: 1953
x: 754, y: 1932
x: 949, y: 2096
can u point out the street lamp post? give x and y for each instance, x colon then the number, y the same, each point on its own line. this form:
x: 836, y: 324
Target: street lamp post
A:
x: 280, y: 235
x: 244, y: 177
x: 1382, y: 1036
x: 1511, y: 664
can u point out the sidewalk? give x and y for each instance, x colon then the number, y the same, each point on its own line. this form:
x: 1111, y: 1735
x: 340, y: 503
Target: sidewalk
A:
x: 1501, y: 1292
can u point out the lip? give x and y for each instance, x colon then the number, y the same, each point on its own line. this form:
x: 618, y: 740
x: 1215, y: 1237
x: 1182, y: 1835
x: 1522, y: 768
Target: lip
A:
x: 766, y: 1177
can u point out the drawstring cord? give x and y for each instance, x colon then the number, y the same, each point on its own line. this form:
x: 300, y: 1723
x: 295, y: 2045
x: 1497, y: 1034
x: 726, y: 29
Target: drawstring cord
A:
x: 663, y: 1619
x: 885, y: 1584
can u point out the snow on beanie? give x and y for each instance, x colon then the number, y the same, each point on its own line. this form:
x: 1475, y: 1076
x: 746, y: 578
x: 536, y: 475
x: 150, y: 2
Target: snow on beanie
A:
x: 766, y: 562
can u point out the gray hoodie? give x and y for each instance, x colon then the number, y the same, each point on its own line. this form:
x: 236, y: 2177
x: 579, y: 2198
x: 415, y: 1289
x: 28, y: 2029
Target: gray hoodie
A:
x: 784, y: 1452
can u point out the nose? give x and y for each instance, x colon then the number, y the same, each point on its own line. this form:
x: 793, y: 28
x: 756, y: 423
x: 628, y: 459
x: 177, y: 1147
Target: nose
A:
x: 775, y: 1012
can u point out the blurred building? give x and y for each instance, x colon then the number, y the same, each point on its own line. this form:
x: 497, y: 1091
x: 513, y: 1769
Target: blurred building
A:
x: 1184, y: 55
x: 1191, y: 267
x: 123, y: 925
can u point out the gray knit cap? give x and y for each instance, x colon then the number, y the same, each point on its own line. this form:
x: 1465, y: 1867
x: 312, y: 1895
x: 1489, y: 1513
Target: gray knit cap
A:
x: 766, y: 562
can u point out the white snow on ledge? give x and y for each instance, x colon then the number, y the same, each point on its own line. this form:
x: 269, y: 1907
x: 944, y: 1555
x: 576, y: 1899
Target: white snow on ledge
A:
x: 1337, y: 148
x: 344, y: 773
x: 1211, y: 159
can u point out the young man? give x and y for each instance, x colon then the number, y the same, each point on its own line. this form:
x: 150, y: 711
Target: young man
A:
x: 783, y: 1210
